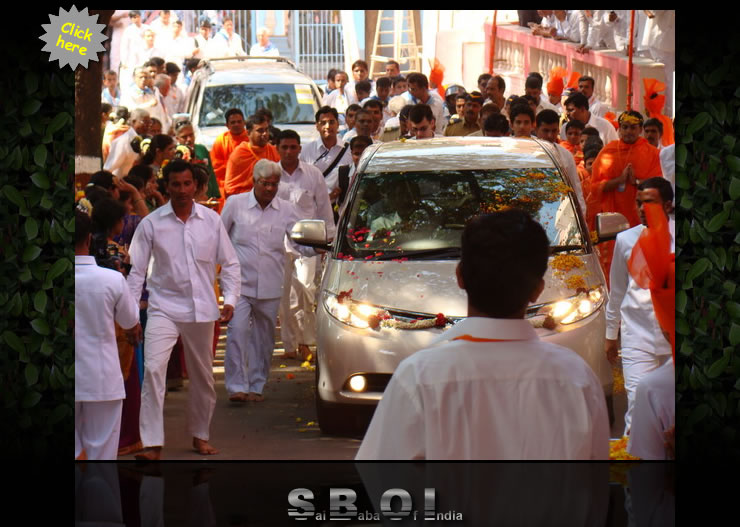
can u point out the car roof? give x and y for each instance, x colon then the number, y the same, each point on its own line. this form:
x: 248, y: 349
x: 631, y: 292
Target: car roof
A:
x: 261, y: 71
x: 460, y: 153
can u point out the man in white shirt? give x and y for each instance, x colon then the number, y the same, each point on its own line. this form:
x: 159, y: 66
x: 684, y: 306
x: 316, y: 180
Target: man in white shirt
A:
x: 162, y: 26
x: 340, y: 97
x: 101, y: 297
x: 203, y: 41
x: 132, y: 42
x: 419, y: 93
x: 644, y: 347
x: 533, y: 88
x: 257, y: 223
x: 142, y: 96
x: 121, y: 156
x: 184, y: 241
x: 263, y: 47
x: 303, y: 185
x: 654, y: 415
x: 586, y: 87
x: 577, y: 107
x: 489, y: 388
x: 175, y: 99
x: 327, y: 153
x: 226, y: 43
x: 179, y: 45
x: 547, y: 130
x: 422, y: 122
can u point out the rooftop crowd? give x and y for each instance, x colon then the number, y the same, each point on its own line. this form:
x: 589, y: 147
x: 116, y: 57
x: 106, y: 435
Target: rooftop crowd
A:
x: 165, y: 213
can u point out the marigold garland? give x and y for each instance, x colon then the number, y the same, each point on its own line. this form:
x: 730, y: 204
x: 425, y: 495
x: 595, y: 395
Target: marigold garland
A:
x: 618, y: 450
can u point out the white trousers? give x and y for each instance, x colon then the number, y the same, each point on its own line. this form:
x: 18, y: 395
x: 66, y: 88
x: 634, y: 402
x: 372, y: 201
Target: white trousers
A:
x: 197, y: 339
x: 297, y: 315
x: 98, y: 429
x: 249, y: 344
x: 635, y: 365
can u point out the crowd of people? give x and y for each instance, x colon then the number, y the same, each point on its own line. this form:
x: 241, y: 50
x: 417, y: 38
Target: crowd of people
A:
x: 165, y: 212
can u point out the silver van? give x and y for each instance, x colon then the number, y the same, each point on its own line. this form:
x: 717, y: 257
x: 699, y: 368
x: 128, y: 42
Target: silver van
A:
x: 389, y: 284
x: 251, y: 83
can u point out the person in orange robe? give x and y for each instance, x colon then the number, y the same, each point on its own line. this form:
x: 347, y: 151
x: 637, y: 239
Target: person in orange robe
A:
x: 573, y: 131
x: 225, y: 144
x: 245, y: 156
x: 654, y: 106
x: 618, y: 169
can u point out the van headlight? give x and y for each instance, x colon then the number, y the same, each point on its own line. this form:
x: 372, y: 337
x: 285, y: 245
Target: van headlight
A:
x: 352, y: 313
x: 577, y: 307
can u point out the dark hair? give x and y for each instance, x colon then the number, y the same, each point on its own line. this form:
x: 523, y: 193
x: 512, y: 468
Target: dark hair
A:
x: 591, y: 150
x: 158, y: 144
x: 102, y: 178
x: 337, y: 72
x: 142, y: 172
x: 398, y: 78
x: 593, y: 141
x: 661, y: 184
x: 83, y: 227
x: 192, y: 64
x: 484, y: 77
x: 327, y: 109
x: 530, y: 99
x: 418, y: 79
x: 518, y: 109
x: 588, y: 130
x: 135, y: 180
x: 360, y: 140
x: 391, y: 61
x: 488, y: 108
x: 95, y: 193
x: 383, y: 82
x: 654, y: 122
x: 200, y: 176
x: 121, y: 113
x: 536, y: 75
x: 257, y: 118
x: 233, y: 111
x: 496, y: 121
x: 373, y: 102
x: 578, y: 100
x: 501, y: 83
x: 577, y: 124
x: 330, y: 75
x: 403, y: 115
x: 364, y: 86
x: 105, y: 108
x: 360, y: 63
x: 353, y: 108
x: 586, y: 78
x: 176, y: 166
x: 504, y: 257
x: 171, y: 68
x: 547, y: 117
x: 106, y: 213
x: 533, y: 82
x: 264, y: 111
x: 419, y: 112
x: 157, y: 62
x: 288, y: 134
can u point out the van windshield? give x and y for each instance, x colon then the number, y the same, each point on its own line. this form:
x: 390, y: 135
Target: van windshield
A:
x: 289, y: 103
x: 422, y: 214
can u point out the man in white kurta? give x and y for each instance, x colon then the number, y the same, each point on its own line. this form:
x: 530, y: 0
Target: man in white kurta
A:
x: 101, y: 297
x: 655, y: 413
x: 122, y: 157
x: 644, y: 348
x: 489, y: 388
x: 577, y: 107
x: 303, y: 185
x: 257, y: 223
x: 183, y: 241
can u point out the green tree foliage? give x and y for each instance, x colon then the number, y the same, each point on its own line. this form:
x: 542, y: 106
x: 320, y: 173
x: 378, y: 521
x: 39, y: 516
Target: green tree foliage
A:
x: 708, y: 258
x: 36, y: 248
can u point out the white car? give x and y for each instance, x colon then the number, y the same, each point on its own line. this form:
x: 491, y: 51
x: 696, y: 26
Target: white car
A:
x: 389, y: 285
x: 251, y: 83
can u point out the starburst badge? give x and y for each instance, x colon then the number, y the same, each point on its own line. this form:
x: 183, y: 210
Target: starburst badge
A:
x: 73, y: 37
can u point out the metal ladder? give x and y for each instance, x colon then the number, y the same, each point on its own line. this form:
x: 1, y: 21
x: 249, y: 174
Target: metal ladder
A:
x: 404, y: 49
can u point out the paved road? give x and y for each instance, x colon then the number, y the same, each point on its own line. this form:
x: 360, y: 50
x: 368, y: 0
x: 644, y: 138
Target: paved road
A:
x: 283, y: 427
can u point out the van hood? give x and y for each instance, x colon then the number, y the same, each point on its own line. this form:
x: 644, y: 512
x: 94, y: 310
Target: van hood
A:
x: 430, y: 287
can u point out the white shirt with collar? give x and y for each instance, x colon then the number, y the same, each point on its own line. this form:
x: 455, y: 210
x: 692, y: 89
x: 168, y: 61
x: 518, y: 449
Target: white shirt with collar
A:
x: 183, y: 270
x: 306, y: 189
x: 223, y: 45
x: 316, y: 154
x: 437, y: 105
x: 631, y: 304
x: 596, y: 107
x: 101, y: 297
x: 258, y: 236
x: 519, y: 399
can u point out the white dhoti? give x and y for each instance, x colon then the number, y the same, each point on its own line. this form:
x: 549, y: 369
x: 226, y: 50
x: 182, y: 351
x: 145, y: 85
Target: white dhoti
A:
x: 635, y: 365
x: 98, y: 429
x: 297, y: 314
x: 197, y: 339
x: 249, y: 344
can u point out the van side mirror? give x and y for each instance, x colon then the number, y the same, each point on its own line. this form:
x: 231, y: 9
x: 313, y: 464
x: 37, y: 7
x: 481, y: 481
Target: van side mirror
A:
x: 609, y: 224
x: 311, y: 233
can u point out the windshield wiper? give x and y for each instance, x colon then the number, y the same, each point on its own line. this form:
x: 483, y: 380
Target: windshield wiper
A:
x: 564, y: 248
x: 411, y: 255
